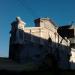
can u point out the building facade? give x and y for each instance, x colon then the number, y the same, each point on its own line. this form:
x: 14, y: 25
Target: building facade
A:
x: 38, y: 44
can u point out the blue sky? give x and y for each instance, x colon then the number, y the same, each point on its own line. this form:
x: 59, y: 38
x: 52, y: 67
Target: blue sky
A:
x: 61, y: 11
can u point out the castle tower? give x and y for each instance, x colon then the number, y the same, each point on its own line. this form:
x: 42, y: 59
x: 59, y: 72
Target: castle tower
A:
x: 16, y: 38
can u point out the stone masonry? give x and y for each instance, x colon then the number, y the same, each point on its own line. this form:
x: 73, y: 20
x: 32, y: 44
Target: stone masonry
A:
x: 34, y: 44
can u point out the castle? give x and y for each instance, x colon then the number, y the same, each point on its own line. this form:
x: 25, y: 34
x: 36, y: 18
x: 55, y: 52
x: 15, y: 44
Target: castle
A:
x: 45, y: 45
x: 36, y: 44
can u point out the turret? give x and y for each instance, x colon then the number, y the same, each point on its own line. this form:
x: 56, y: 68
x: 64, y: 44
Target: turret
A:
x: 17, y: 31
x: 16, y: 38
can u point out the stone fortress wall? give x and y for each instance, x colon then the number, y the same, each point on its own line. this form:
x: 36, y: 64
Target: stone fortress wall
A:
x: 33, y: 44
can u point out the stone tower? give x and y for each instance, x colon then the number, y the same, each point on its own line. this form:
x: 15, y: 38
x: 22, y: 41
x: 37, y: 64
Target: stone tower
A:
x: 16, y: 39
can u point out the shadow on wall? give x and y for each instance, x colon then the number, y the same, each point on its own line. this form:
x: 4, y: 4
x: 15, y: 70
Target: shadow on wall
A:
x: 45, y: 54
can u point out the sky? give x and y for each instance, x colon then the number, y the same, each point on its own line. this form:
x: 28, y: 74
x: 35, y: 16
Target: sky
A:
x: 62, y: 12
